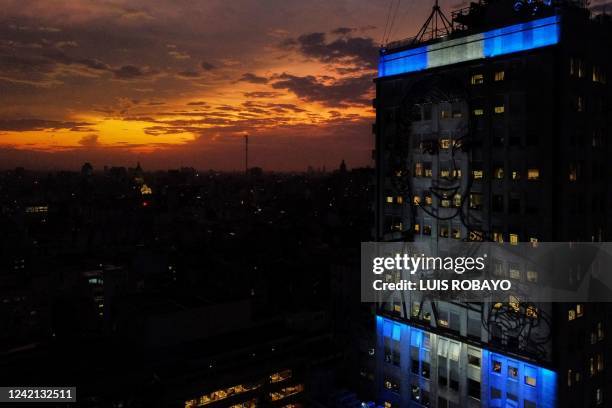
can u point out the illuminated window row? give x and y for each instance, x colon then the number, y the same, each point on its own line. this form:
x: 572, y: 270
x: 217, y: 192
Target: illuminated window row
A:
x: 479, y: 78
x: 577, y: 69
x: 286, y: 392
x: 222, y: 394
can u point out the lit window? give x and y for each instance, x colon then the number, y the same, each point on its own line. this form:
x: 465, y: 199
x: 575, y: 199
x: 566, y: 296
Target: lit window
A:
x: 534, y: 242
x: 599, y: 396
x: 512, y: 372
x: 529, y: 380
x: 456, y: 233
x: 475, y: 201
x: 445, y: 173
x: 497, y: 366
x: 499, y: 76
x: 453, y: 351
x: 416, y: 200
x: 579, y: 104
x: 579, y: 310
x: 599, y: 75
x: 531, y: 312
x: 428, y: 199
x: 514, y: 272
x: 416, y: 307
x: 445, y: 143
x: 478, y: 112
x: 533, y: 174
x: 514, y: 303
x: 498, y: 237
x: 457, y: 200
x: 514, y: 239
x: 500, y: 109
x: 426, y: 229
x: 516, y: 175
x: 571, y: 315
x: 498, y: 173
x: 573, y: 172
x: 600, y: 332
x: 600, y: 362
x: 478, y: 174
x: 444, y: 233
x: 532, y: 276
x: 418, y: 169
x: 428, y: 172
x: 445, y: 201
x: 445, y: 114
x: 417, y: 228
x: 477, y: 79
x: 397, y: 308
x: 457, y: 111
x: 389, y: 199
x: 475, y: 236
x: 280, y: 376
x: 400, y: 200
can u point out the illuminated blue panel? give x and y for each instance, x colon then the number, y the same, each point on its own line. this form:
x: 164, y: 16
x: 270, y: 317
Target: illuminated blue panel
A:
x: 522, y: 37
x: 512, y: 384
x: 396, y: 332
x: 403, y: 61
x: 515, y: 38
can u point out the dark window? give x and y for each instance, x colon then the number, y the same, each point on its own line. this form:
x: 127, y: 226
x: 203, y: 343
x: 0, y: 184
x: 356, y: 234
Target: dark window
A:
x: 415, y: 367
x: 514, y: 205
x: 530, y: 404
x: 427, y: 112
x: 495, y: 393
x: 473, y: 389
x: 497, y: 203
x: 426, y: 370
x: 473, y: 360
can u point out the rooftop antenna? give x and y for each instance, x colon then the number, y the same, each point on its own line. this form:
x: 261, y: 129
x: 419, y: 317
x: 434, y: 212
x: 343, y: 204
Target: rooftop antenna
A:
x: 437, y: 25
x: 246, y: 153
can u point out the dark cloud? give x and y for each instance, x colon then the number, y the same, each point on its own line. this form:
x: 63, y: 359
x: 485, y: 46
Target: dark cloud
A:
x: 361, y: 51
x: 342, y: 30
x: 341, y: 92
x: 197, y: 103
x: 254, y: 79
x: 207, y: 66
x: 127, y: 72
x: 188, y: 74
x: 40, y: 124
x: 90, y: 140
x: 261, y: 94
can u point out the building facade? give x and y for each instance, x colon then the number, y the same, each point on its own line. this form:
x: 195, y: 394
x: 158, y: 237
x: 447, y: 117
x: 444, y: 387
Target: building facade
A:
x: 498, y: 131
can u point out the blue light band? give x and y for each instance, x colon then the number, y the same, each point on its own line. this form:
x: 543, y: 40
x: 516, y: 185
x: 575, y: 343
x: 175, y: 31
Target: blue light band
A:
x: 505, y: 381
x: 506, y: 40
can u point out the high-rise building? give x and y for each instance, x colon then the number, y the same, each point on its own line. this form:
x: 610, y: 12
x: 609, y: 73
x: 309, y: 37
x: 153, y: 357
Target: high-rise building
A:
x: 495, y: 126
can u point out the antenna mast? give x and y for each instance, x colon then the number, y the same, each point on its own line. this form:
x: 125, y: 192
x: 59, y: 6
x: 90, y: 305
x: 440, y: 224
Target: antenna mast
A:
x: 246, y: 153
x: 437, y: 25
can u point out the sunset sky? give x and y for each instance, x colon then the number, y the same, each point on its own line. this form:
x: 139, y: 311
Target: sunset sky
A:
x: 178, y: 83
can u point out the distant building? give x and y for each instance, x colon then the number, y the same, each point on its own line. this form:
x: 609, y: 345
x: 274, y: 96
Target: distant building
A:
x: 87, y: 170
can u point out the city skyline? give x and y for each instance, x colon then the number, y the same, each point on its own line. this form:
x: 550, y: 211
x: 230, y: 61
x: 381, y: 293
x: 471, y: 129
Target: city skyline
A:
x: 118, y: 82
